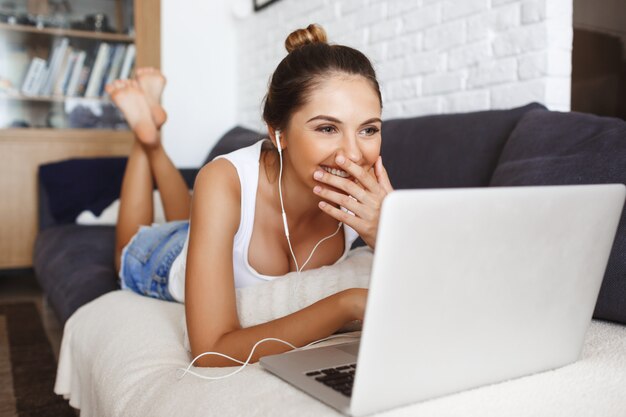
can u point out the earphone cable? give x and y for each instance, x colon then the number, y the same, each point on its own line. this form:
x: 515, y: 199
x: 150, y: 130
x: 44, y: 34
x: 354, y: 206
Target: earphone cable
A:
x: 282, y: 206
x: 247, y: 362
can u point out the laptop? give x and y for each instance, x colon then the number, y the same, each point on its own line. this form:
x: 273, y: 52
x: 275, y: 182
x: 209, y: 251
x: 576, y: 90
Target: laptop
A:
x: 468, y: 287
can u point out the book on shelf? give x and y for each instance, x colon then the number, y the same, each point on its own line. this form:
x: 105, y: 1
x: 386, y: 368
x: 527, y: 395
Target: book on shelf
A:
x: 116, y: 64
x: 33, y: 74
x: 97, y: 72
x: 60, y: 83
x: 127, y: 64
x: 54, y: 67
x: 74, y: 79
x: 72, y: 72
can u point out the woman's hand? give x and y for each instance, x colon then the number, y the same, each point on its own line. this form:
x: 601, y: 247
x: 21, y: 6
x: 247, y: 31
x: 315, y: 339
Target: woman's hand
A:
x: 364, y: 197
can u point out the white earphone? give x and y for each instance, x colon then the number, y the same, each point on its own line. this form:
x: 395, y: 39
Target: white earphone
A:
x: 282, y: 206
x: 280, y: 148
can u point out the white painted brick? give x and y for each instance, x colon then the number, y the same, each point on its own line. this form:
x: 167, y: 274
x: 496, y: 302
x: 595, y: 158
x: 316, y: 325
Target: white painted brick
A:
x: 395, y: 7
x: 291, y: 10
x: 401, y: 89
x: 555, y: 62
x: 559, y: 35
x: 337, y: 28
x: 466, y: 101
x: 533, y: 65
x: 558, y: 90
x: 350, y: 6
x: 520, y: 40
x: 392, y: 111
x: 559, y: 62
x: 422, y: 18
x: 404, y: 46
x: 512, y: 95
x: 510, y: 51
x: 533, y: 11
x: 442, y: 83
x: 385, y: 30
x: 469, y: 55
x: 500, y: 2
x: 492, y: 73
x: 560, y: 9
x: 368, y: 15
x: 376, y: 53
x: 422, y: 106
x: 424, y: 63
x: 485, y: 25
x: 456, y: 9
x: 445, y: 36
x: 389, y: 70
x: 356, y: 39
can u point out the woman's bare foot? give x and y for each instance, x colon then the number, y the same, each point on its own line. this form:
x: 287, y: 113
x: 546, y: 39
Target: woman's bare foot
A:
x: 131, y: 101
x: 152, y: 82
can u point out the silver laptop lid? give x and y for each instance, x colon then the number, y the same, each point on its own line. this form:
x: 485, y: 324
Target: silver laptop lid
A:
x: 475, y: 286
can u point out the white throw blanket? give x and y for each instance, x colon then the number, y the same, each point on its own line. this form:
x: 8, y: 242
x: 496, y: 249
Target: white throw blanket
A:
x: 108, y: 217
x: 121, y: 352
x: 285, y: 295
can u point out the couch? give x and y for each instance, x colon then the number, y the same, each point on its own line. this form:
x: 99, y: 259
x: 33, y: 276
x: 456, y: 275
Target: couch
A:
x: 529, y: 145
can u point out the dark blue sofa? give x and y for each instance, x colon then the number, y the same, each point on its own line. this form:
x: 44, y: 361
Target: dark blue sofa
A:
x: 523, y: 146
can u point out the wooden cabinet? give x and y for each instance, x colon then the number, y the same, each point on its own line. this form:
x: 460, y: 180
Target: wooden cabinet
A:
x: 55, y: 136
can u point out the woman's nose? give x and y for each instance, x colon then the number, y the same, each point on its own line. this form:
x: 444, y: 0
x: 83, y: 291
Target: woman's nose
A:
x: 350, y: 149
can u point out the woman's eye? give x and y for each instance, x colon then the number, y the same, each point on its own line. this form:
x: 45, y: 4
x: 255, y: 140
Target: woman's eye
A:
x: 326, y: 129
x: 369, y: 131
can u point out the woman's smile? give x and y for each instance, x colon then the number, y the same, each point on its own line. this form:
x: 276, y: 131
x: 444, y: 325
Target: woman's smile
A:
x: 335, y: 171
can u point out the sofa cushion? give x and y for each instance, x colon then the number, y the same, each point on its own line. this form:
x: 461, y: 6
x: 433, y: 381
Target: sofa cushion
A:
x: 450, y: 150
x: 74, y: 265
x: 67, y: 188
x: 552, y: 148
x: 74, y: 185
x: 236, y: 138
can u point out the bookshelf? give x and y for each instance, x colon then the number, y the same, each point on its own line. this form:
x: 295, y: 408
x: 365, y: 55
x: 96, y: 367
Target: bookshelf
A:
x: 45, y: 133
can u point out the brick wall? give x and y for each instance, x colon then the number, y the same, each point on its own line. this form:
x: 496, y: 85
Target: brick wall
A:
x: 431, y: 56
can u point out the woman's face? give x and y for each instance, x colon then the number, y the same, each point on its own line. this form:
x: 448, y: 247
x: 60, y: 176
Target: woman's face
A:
x: 341, y: 117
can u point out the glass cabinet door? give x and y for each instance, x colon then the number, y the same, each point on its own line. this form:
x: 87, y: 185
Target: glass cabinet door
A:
x: 56, y: 56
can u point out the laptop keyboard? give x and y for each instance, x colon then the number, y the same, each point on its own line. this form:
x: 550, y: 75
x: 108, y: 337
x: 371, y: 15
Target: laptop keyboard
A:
x: 340, y: 378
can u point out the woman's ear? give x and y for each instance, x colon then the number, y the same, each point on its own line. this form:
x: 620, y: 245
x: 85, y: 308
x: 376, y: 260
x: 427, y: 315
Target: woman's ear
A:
x: 278, y: 142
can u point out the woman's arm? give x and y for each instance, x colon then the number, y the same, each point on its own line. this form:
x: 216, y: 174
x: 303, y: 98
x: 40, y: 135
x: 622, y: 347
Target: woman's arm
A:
x: 210, y: 304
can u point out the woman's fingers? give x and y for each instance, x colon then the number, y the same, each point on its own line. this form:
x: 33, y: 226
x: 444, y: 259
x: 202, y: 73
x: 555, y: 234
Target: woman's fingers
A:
x: 382, y: 176
x: 343, y: 200
x: 343, y: 184
x: 342, y: 216
x: 357, y: 171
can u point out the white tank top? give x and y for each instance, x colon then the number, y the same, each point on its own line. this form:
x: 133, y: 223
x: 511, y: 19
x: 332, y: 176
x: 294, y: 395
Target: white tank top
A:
x: 246, y: 162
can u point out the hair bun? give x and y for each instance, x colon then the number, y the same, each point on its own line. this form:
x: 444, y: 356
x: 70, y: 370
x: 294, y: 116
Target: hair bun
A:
x: 312, y: 34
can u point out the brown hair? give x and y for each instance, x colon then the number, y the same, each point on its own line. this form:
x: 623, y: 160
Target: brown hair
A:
x: 309, y: 61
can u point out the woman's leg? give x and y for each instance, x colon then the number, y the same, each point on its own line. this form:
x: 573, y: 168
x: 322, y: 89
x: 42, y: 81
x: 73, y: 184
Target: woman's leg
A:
x: 148, y: 159
x: 171, y: 184
x: 136, y: 205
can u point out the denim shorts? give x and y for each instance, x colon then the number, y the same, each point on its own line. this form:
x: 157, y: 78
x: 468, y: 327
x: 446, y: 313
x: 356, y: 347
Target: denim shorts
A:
x: 147, y: 259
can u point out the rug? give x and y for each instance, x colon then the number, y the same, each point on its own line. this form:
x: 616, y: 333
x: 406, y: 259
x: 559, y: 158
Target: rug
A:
x: 27, y: 365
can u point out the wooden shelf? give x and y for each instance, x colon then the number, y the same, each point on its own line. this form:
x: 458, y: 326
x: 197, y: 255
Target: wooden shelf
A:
x: 23, y: 150
x: 52, y: 99
x: 72, y: 33
x: 64, y: 135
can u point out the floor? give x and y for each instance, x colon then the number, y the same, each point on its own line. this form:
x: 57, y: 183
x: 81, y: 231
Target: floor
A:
x: 21, y: 285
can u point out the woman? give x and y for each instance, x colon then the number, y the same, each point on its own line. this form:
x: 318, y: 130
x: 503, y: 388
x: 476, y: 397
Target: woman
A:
x: 258, y: 213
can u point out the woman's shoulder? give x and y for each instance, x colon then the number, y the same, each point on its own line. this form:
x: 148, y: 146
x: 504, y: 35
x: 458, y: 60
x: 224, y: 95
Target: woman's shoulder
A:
x: 217, y: 177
